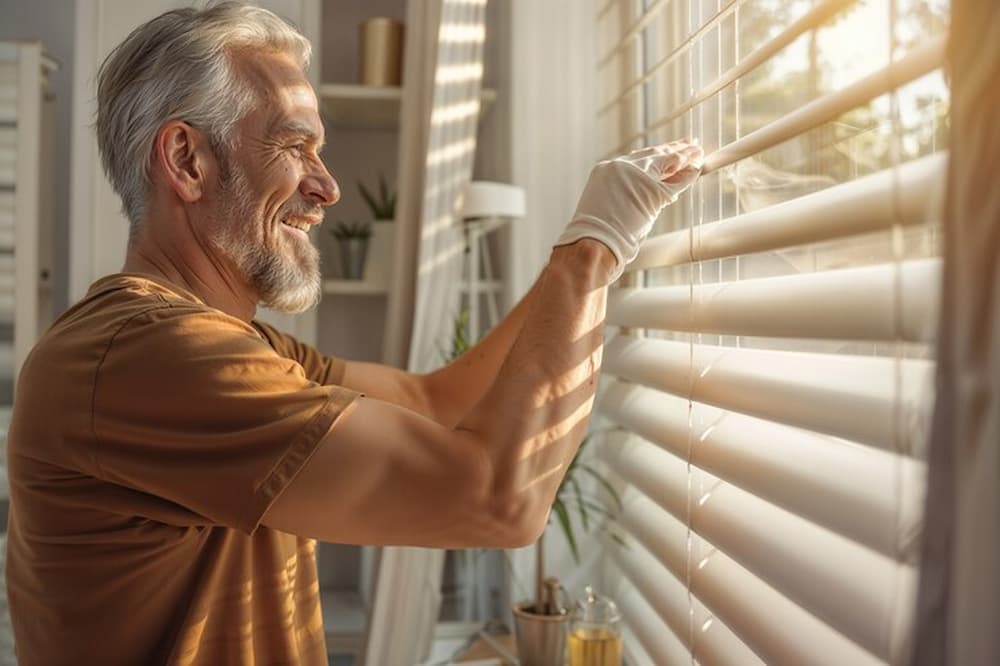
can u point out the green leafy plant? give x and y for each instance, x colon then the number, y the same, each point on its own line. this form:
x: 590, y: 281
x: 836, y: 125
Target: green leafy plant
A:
x: 570, y: 495
x: 344, y: 230
x: 459, y: 337
x: 382, y: 203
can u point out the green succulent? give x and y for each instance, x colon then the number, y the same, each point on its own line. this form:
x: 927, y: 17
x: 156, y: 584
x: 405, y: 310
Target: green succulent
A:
x: 381, y: 204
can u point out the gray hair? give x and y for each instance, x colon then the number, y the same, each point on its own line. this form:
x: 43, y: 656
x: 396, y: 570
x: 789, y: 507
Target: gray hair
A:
x: 179, y: 66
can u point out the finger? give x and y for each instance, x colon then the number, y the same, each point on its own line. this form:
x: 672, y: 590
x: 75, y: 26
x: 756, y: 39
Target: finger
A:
x: 678, y: 145
x: 642, y: 153
x: 684, y: 177
x: 692, y: 155
x: 689, y: 157
x: 671, y: 148
x: 695, y: 157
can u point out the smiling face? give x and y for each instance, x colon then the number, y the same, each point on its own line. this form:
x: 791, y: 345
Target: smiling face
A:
x: 272, y: 187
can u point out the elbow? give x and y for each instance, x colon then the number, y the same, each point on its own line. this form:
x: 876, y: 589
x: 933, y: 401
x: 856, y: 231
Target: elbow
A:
x: 527, y: 532
x: 515, y: 524
x: 517, y: 515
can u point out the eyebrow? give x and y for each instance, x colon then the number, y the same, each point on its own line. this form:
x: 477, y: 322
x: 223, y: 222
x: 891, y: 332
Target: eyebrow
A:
x: 298, y: 128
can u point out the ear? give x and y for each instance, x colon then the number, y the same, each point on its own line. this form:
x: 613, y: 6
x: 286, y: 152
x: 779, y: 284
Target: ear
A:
x: 183, y: 155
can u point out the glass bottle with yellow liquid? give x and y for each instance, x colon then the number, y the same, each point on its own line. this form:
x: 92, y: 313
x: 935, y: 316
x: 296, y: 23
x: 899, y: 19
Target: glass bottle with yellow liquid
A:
x: 595, y: 637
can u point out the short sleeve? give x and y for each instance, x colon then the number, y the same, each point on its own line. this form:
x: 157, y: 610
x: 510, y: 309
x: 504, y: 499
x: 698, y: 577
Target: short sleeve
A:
x: 196, y: 408
x: 318, y: 367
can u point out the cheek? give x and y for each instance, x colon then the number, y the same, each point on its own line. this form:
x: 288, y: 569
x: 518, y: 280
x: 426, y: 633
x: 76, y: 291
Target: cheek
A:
x: 278, y: 187
x: 284, y: 183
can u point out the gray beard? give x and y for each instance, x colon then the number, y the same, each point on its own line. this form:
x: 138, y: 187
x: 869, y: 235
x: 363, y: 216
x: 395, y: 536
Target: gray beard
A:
x: 282, y: 283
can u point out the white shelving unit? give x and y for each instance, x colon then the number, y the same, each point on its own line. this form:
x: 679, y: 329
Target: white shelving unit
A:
x: 353, y: 106
x: 353, y: 288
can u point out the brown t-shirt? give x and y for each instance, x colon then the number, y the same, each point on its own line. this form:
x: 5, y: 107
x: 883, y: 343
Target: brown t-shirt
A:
x: 150, y: 434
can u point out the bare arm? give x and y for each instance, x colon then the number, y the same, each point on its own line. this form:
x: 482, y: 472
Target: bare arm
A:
x: 387, y: 475
x: 445, y: 395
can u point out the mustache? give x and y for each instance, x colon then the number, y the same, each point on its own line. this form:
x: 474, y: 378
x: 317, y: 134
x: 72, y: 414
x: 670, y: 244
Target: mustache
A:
x: 300, y: 209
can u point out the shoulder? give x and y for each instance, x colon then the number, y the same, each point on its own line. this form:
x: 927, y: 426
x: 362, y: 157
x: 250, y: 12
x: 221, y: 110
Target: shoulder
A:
x: 319, y: 367
x: 183, y: 338
x: 150, y: 333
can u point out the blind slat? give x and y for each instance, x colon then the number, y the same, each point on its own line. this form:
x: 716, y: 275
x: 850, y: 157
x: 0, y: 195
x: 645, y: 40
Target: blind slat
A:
x: 778, y: 630
x: 867, y: 204
x: 854, y: 397
x: 714, y: 643
x: 834, y: 578
x: 848, y: 304
x: 655, y: 638
x: 845, y: 488
x: 922, y: 60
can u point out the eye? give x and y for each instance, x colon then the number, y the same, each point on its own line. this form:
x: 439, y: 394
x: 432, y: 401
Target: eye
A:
x: 298, y: 148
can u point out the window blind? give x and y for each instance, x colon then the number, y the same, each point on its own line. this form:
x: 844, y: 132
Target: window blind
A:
x: 768, y: 373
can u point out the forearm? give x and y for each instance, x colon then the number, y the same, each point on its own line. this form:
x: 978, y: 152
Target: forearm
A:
x: 457, y: 387
x: 445, y: 395
x: 533, y: 416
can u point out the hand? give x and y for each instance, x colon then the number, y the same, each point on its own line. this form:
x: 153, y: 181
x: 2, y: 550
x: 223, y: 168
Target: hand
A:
x: 624, y: 196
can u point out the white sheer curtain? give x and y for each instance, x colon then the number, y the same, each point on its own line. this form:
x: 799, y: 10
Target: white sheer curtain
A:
x: 443, y: 76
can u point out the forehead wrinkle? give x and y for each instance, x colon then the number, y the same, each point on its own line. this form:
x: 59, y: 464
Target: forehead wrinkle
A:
x: 294, y: 127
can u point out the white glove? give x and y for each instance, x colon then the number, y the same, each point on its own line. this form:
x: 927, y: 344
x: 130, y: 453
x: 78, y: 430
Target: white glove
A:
x: 624, y: 196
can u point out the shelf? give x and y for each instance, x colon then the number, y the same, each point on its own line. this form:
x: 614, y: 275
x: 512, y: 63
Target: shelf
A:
x: 353, y: 106
x: 353, y: 288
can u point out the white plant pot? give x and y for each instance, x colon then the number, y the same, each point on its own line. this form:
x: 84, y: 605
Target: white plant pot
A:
x: 381, y: 253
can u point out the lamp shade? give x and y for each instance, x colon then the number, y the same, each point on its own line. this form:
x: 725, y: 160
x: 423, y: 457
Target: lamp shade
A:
x: 488, y: 199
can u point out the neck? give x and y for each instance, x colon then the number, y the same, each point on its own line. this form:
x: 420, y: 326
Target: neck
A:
x: 171, y: 250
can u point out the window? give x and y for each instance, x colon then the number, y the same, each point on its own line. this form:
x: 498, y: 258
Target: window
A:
x: 770, y: 363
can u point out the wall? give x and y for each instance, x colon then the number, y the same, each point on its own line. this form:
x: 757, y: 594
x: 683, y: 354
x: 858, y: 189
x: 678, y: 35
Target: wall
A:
x: 51, y: 22
x: 352, y: 155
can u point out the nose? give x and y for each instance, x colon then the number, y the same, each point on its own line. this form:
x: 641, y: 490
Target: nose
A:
x: 320, y: 186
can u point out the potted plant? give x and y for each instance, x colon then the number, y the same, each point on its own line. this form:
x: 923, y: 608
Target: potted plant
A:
x: 540, y: 624
x: 352, y: 240
x: 382, y: 204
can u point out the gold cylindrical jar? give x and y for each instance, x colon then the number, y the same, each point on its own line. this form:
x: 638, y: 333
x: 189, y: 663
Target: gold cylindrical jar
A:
x: 381, y: 52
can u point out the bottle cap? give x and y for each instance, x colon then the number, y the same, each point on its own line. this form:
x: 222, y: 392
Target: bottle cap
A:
x: 595, y: 608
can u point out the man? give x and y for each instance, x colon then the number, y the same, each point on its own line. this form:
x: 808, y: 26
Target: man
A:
x: 171, y: 460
